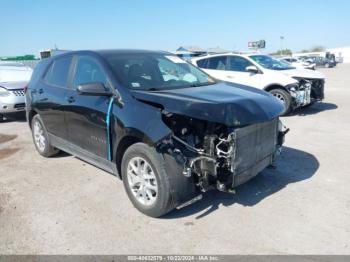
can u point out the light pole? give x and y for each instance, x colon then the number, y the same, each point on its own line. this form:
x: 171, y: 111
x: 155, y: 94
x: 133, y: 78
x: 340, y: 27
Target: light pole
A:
x: 282, y: 38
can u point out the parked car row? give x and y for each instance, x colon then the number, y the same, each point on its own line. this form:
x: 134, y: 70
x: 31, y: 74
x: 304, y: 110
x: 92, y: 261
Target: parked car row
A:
x: 293, y: 87
x: 298, y: 63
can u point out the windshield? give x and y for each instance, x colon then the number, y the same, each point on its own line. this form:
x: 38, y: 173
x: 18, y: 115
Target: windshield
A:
x: 156, y: 72
x: 269, y: 62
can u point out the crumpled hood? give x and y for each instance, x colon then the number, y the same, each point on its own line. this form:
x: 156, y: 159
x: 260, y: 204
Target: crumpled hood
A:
x: 14, y: 85
x: 303, y: 73
x: 223, y: 102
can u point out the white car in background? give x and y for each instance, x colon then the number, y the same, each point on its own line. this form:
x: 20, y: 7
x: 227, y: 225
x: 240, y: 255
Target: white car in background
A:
x: 293, y: 87
x: 297, y: 63
x: 14, y: 77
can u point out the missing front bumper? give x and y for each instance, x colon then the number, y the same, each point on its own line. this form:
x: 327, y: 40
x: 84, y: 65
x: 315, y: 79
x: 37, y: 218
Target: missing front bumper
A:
x: 233, y: 160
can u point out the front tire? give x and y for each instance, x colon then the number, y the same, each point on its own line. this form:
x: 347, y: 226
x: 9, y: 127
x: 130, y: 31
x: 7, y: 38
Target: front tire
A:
x: 41, y: 138
x: 146, y: 181
x: 285, y: 98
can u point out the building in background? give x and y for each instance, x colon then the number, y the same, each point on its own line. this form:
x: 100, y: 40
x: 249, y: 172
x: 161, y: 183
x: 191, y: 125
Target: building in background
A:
x: 51, y: 52
x: 217, y: 50
x: 342, y: 54
x: 187, y: 52
x: 193, y: 50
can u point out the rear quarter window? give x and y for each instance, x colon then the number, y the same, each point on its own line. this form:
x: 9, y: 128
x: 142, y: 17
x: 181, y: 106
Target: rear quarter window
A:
x: 57, y: 74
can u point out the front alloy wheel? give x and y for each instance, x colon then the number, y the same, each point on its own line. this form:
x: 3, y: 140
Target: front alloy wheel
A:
x: 142, y: 181
x: 285, y: 98
x: 148, y: 185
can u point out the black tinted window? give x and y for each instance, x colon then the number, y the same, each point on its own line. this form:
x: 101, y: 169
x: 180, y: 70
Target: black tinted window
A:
x: 237, y: 63
x: 217, y: 63
x: 202, y: 63
x: 58, y: 72
x: 87, y: 71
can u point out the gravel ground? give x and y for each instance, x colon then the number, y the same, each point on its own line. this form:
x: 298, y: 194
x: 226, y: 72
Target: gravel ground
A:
x: 62, y: 205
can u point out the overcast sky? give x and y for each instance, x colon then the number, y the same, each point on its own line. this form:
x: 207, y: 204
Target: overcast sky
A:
x: 29, y: 26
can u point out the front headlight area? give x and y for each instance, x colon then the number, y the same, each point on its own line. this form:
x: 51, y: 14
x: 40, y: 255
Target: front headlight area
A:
x: 4, y: 92
x: 301, y: 93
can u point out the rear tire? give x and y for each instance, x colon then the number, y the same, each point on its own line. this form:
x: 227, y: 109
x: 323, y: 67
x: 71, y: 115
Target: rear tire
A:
x: 285, y: 98
x: 146, y: 181
x: 1, y: 118
x: 326, y: 65
x: 41, y: 138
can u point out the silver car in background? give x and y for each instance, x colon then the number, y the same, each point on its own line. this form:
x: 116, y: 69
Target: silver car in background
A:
x: 14, y: 78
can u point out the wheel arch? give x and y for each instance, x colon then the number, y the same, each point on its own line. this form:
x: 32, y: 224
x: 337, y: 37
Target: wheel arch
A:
x: 132, y: 137
x: 275, y: 86
x: 30, y: 116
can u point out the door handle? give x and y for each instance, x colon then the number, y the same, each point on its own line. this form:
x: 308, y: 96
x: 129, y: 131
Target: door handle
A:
x: 71, y: 99
x: 230, y: 76
x: 40, y: 91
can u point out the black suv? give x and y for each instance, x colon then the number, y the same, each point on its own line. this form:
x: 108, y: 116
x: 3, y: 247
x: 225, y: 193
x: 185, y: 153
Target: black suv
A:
x: 165, y: 127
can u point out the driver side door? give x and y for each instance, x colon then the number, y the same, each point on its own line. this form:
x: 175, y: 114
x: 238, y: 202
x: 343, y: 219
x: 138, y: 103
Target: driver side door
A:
x: 86, y: 115
x: 237, y: 73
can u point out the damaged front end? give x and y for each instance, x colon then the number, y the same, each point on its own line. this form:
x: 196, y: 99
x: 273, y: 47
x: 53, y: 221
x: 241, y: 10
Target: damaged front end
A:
x: 315, y: 88
x: 301, y: 93
x: 218, y: 156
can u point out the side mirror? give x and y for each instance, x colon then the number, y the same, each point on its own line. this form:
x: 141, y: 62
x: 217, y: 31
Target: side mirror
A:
x: 252, y: 69
x: 93, y: 89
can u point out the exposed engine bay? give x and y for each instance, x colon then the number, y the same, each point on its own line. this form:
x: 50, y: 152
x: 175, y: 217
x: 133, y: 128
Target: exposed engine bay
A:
x: 301, y: 94
x: 218, y: 156
x: 308, y: 91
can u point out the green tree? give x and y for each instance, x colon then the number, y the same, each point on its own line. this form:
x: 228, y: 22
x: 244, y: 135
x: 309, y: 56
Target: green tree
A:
x: 317, y: 49
x: 282, y: 52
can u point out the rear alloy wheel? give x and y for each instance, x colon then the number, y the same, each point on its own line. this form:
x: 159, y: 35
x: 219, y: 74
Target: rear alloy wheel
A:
x: 41, y: 139
x: 285, y: 98
x: 146, y: 181
x: 326, y: 65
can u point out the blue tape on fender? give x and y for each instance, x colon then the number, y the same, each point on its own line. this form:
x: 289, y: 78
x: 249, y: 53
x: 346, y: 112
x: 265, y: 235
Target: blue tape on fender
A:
x: 108, y: 122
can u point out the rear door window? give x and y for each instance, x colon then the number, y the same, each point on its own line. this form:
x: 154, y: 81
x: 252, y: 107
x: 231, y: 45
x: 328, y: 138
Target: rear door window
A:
x: 217, y: 63
x: 58, y: 72
x: 203, y: 63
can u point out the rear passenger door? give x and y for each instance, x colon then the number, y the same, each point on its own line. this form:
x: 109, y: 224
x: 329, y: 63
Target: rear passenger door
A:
x: 215, y: 66
x: 49, y: 96
x: 86, y: 115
